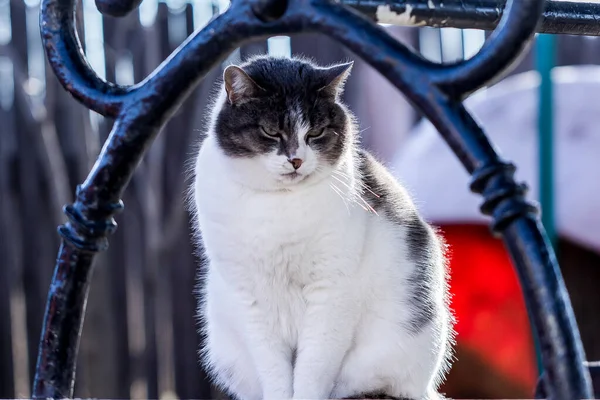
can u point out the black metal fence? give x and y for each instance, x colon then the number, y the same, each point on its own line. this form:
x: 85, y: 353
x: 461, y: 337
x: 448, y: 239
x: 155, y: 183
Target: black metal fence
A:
x: 140, y: 335
x: 139, y: 339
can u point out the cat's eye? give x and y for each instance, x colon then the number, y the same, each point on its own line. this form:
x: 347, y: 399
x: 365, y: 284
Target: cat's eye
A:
x: 270, y: 134
x: 315, y: 134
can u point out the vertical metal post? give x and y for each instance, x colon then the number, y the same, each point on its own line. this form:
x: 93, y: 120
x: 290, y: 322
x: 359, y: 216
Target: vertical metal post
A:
x: 437, y: 90
x: 545, y: 58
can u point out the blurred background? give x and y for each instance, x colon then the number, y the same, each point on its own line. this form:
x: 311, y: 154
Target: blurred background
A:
x: 139, y: 338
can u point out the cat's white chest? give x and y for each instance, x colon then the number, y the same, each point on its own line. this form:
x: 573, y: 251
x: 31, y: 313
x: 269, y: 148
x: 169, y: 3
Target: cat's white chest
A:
x: 279, y: 226
x: 267, y: 239
x: 267, y: 247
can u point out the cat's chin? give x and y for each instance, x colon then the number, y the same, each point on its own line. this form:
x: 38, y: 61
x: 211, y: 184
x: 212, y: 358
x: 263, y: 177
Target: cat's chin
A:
x: 292, y: 179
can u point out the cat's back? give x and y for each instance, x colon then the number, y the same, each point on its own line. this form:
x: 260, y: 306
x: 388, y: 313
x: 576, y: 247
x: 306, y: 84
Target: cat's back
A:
x: 394, y: 207
x: 383, y: 191
x: 409, y: 246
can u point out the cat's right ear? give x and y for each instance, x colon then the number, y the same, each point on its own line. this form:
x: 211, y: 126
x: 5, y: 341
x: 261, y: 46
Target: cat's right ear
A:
x: 238, y: 85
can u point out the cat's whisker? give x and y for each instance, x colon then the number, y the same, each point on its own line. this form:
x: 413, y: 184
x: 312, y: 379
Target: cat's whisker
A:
x: 362, y: 130
x: 367, y: 205
x: 341, y: 173
x: 356, y: 194
x: 342, y: 182
x: 346, y: 176
x: 352, y: 189
x: 370, y: 207
x: 339, y: 193
x: 369, y: 189
x: 362, y: 184
x: 363, y: 207
x: 350, y: 199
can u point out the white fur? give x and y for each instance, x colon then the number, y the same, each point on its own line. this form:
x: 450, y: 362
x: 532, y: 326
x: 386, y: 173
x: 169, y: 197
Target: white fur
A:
x: 298, y: 265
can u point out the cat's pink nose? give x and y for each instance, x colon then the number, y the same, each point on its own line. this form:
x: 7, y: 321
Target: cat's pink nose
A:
x: 296, y: 162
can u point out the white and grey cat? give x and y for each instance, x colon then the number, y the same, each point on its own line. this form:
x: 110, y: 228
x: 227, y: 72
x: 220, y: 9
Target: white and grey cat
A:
x: 322, y: 280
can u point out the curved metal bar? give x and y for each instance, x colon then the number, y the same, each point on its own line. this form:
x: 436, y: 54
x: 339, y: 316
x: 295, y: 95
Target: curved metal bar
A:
x: 406, y: 71
x: 565, y: 17
x: 142, y: 110
x: 240, y: 24
x: 117, y: 8
x: 513, y: 217
x: 65, y: 55
x: 142, y: 113
x: 592, y: 366
x: 499, y: 52
x: 90, y: 221
x: 269, y: 10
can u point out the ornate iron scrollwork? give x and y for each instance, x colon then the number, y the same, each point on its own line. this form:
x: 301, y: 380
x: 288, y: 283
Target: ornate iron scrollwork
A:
x: 564, y: 17
x: 436, y: 90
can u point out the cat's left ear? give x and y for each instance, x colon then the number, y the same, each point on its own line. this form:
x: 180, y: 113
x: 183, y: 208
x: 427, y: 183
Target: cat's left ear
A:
x: 334, y: 79
x: 238, y: 85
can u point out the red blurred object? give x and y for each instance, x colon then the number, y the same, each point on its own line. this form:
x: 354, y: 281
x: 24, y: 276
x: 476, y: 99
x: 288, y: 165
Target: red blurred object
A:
x: 487, y: 300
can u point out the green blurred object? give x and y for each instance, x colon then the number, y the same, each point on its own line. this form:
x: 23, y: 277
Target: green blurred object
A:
x: 545, y: 56
x: 545, y: 59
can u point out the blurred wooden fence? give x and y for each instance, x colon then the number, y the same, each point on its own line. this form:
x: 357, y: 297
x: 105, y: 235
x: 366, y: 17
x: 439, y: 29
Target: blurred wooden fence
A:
x: 142, y: 295
x: 140, y: 334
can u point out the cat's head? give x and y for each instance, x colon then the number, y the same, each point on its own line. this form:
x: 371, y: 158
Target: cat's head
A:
x: 281, y: 122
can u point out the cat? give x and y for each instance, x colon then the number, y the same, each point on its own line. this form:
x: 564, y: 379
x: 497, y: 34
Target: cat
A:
x: 322, y: 280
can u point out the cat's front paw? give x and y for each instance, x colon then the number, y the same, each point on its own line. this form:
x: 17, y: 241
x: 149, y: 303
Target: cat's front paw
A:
x: 277, y: 394
x: 308, y: 397
x: 308, y: 394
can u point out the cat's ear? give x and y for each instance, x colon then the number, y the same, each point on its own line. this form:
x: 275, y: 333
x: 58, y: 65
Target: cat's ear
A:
x: 334, y: 79
x: 238, y: 85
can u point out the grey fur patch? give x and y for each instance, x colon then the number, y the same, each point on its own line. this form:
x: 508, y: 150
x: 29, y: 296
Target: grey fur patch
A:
x: 290, y: 91
x: 294, y: 357
x: 388, y: 198
x: 421, y: 240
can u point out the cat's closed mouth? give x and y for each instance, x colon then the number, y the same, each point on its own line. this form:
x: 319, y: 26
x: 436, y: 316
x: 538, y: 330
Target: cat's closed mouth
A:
x: 293, y: 175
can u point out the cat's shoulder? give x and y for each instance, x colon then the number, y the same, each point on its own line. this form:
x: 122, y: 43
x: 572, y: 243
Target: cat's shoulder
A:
x: 381, y: 189
x: 393, y: 202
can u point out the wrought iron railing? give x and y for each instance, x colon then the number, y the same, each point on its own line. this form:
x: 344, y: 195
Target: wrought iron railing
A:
x: 558, y: 16
x: 436, y: 90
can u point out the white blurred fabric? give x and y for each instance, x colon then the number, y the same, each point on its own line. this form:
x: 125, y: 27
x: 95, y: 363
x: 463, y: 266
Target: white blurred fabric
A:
x: 385, y: 116
x: 508, y: 113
